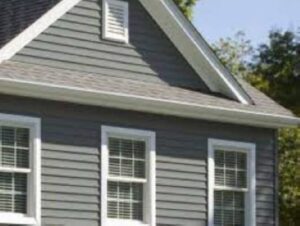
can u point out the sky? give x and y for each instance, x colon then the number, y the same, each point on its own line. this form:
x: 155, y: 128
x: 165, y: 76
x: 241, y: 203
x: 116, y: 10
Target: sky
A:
x: 223, y: 18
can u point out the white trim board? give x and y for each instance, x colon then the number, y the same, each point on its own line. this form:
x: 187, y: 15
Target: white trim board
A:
x: 144, y: 104
x: 180, y: 31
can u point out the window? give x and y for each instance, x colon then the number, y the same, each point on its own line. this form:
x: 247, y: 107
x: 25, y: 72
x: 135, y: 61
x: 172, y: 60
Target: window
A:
x: 231, y: 183
x: 128, y: 177
x: 115, y: 20
x: 19, y: 170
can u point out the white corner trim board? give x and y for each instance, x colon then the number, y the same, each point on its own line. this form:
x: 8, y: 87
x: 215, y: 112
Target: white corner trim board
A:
x: 250, y: 194
x: 33, y: 217
x: 21, y: 40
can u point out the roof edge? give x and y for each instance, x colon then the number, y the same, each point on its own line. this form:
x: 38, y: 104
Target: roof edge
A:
x: 194, y: 48
x: 31, y: 32
x: 181, y: 32
x: 144, y: 104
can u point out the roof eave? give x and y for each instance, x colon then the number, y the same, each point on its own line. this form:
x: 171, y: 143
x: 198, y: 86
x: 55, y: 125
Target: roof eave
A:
x: 144, y: 104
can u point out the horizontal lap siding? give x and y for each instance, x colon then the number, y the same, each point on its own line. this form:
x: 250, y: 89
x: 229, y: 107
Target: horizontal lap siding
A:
x: 71, y: 162
x: 70, y: 173
x: 74, y: 42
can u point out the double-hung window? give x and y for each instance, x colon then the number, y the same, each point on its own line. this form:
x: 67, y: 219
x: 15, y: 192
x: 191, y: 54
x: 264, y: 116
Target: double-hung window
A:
x: 128, y: 177
x: 231, y: 183
x: 19, y: 170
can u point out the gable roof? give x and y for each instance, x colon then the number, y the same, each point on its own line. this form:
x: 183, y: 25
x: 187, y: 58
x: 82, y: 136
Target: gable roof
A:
x: 64, y: 85
x: 17, y: 15
x: 252, y: 107
x: 181, y: 32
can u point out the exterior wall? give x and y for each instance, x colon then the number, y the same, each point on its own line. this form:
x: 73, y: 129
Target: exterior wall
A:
x: 71, y: 161
x: 75, y: 42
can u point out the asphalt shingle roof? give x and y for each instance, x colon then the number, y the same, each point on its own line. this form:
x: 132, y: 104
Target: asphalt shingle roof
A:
x: 96, y: 82
x: 17, y: 15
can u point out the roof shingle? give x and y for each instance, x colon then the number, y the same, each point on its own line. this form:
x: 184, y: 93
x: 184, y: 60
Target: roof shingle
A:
x: 95, y: 82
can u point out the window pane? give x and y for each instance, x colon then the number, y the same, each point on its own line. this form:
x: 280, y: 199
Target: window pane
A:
x: 229, y: 208
x: 22, y: 137
x: 239, y: 218
x: 113, y: 209
x: 14, y: 148
x: 219, y: 158
x: 230, y: 178
x: 231, y: 169
x: 242, y: 161
x: 241, y: 179
x: 8, y: 136
x: 228, y: 200
x: 126, y: 168
x: 230, y: 159
x: 127, y: 148
x: 114, y: 147
x: 219, y: 177
x: 8, y: 157
x: 139, y: 149
x: 115, y: 167
x: 125, y: 200
x: 228, y: 217
x: 22, y: 158
x: 127, y: 158
x: 13, y: 192
x: 139, y: 169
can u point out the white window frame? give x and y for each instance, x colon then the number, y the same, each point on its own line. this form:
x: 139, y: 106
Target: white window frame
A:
x: 150, y: 187
x: 33, y: 215
x: 250, y: 200
x: 105, y: 34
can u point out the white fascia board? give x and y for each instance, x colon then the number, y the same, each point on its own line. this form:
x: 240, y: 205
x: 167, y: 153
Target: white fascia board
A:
x: 195, y: 49
x: 30, y: 33
x: 144, y: 104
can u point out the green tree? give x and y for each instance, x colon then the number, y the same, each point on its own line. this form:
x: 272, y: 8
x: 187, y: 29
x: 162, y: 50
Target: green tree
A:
x: 186, y: 6
x: 278, y: 62
x: 235, y: 53
x: 276, y: 72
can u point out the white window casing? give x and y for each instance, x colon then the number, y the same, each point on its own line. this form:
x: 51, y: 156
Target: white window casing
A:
x: 234, y: 185
x: 115, y: 21
x: 20, y: 161
x: 141, y: 176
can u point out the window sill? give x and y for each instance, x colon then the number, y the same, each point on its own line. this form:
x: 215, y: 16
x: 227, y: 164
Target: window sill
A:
x: 117, y: 222
x: 15, y: 218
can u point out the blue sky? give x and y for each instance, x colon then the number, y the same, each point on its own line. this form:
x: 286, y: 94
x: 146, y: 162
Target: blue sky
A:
x: 223, y: 18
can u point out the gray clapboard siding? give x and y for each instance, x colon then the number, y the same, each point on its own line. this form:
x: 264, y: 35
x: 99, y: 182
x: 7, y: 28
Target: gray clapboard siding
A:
x: 71, y: 161
x: 75, y: 42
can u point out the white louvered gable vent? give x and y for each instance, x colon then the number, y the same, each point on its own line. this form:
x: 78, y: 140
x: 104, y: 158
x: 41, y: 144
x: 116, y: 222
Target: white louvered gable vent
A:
x: 115, y: 20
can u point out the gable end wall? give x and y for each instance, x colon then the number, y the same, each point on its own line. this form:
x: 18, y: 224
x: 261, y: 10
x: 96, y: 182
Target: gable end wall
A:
x: 75, y: 42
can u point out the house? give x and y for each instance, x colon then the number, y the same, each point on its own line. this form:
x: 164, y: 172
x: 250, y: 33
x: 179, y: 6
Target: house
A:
x: 117, y: 113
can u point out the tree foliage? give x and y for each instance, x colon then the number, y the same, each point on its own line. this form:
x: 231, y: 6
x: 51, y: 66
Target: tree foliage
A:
x: 275, y: 70
x: 186, y: 6
x: 278, y: 62
x: 234, y: 53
